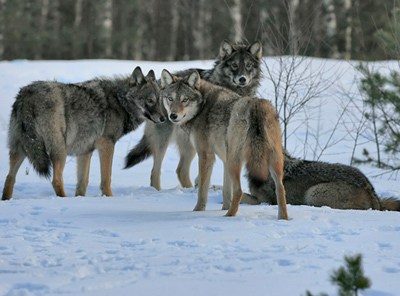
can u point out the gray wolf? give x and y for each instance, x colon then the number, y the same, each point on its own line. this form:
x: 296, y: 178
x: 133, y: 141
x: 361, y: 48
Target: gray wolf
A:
x: 51, y: 120
x: 237, y: 129
x: 318, y: 184
x: 237, y: 68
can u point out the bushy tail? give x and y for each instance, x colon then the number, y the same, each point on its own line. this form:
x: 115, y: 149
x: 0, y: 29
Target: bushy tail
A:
x: 139, y: 153
x: 390, y: 204
x: 23, y: 135
x: 264, y: 139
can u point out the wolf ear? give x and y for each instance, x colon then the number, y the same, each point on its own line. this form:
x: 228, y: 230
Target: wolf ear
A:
x: 255, y: 49
x: 166, y: 78
x: 137, y: 77
x: 225, y: 49
x: 150, y: 75
x: 194, y: 80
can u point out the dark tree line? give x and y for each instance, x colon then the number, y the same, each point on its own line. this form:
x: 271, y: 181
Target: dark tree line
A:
x: 182, y: 30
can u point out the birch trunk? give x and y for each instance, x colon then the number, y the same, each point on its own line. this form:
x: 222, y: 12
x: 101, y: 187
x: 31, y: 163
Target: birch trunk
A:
x: 237, y: 21
x: 348, y: 32
x: 107, y: 26
x: 331, y: 27
x: 293, y: 32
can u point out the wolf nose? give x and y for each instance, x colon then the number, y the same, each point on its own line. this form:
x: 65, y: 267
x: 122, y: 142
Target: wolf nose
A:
x: 173, y: 116
x: 242, y: 79
x: 162, y: 119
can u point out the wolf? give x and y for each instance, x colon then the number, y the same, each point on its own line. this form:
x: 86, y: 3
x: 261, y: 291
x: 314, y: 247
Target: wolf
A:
x: 51, y: 120
x: 237, y: 68
x: 317, y: 183
x: 237, y: 129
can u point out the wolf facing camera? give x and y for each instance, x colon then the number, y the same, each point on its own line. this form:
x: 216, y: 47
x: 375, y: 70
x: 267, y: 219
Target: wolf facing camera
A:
x: 239, y: 130
x: 238, y: 68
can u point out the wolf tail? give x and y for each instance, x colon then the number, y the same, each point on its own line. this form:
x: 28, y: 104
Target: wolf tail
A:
x: 264, y: 146
x: 23, y: 135
x: 390, y: 204
x: 138, y: 153
x: 264, y: 150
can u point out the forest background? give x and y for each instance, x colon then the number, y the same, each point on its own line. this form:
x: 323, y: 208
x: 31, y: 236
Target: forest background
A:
x: 173, y: 30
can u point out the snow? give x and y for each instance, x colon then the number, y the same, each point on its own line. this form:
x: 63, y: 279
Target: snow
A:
x: 148, y: 242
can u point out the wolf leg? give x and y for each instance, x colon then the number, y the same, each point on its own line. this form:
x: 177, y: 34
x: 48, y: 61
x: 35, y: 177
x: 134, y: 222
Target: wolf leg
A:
x: 276, y: 171
x: 158, y: 156
x: 16, y: 160
x: 187, y: 153
x: 106, y: 153
x: 206, y: 162
x: 234, y: 175
x: 159, y: 138
x: 226, y: 189
x: 83, y: 168
x: 58, y: 169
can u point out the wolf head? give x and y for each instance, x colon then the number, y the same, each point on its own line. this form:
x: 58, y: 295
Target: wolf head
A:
x: 144, y: 93
x: 239, y: 64
x: 181, y: 96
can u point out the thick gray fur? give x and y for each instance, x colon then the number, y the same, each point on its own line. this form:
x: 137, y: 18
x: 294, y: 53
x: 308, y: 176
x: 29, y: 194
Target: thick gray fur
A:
x: 238, y: 68
x: 50, y: 119
x: 317, y: 183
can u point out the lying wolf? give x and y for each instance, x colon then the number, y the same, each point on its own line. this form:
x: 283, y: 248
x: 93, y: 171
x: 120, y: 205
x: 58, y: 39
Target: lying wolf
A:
x: 237, y: 68
x: 51, y: 120
x: 318, y: 184
x: 236, y: 129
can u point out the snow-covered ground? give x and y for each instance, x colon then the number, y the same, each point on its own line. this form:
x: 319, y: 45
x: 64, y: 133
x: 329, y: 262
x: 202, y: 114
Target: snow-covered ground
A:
x: 145, y: 242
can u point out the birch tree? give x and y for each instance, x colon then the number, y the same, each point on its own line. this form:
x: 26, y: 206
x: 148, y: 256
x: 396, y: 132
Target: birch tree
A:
x: 236, y: 12
x: 348, y: 31
x: 331, y: 27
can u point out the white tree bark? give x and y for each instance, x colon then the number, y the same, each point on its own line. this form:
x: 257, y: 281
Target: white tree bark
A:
x: 108, y: 24
x: 237, y: 21
x: 331, y: 27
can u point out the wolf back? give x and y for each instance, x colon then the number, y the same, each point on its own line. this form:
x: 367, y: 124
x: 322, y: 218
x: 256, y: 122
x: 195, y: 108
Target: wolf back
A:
x: 50, y: 120
x: 317, y: 183
x: 237, y: 68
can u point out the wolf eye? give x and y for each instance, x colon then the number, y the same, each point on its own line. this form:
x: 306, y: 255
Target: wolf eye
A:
x: 234, y: 65
x: 170, y: 98
x: 150, y: 101
x: 249, y: 65
x: 185, y: 99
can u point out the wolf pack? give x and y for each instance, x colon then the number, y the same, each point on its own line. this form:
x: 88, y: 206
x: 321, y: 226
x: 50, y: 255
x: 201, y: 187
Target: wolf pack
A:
x: 208, y: 112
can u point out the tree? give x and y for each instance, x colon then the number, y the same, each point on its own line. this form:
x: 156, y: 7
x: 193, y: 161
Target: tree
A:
x: 382, y: 96
x: 350, y: 278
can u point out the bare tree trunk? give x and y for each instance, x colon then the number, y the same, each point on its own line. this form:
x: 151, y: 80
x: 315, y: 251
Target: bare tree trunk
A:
x: 2, y: 27
x: 42, y: 27
x: 237, y: 21
x: 293, y: 33
x: 108, y: 24
x: 138, y: 44
x: 174, y: 30
x: 76, y: 42
x: 151, y: 43
x: 348, y: 32
x: 56, y: 24
x: 331, y: 27
x: 201, y: 37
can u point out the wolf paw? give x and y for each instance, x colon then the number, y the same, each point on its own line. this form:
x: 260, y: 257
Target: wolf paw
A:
x: 201, y: 207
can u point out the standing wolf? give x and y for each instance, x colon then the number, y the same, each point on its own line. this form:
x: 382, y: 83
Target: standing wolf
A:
x: 237, y: 129
x: 51, y: 120
x: 317, y: 183
x: 238, y: 68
